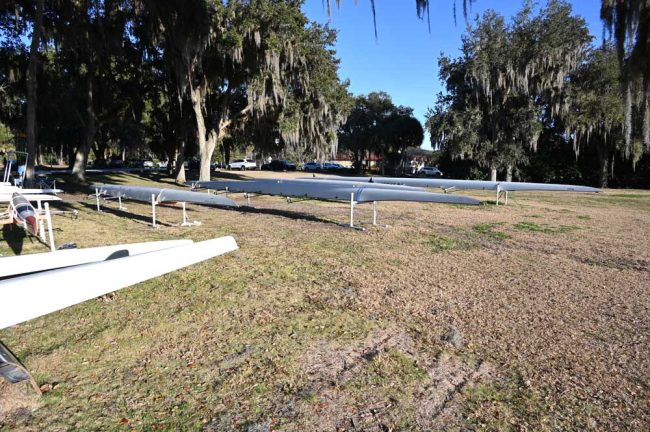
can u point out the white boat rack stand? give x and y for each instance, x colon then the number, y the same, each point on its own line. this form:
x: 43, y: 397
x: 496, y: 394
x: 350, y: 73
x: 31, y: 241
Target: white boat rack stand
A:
x: 290, y: 200
x: 499, y: 193
x: 352, y: 204
x: 505, y: 194
x: 154, y: 203
x: 185, y: 223
x: 44, y: 216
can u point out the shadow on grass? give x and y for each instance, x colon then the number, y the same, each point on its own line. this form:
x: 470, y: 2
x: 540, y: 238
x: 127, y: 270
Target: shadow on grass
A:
x: 227, y: 175
x: 16, y: 237
x: 289, y: 214
x: 65, y: 181
x: 146, y: 219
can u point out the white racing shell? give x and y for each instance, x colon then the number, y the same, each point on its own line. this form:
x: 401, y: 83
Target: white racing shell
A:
x: 27, y: 297
x: 32, y: 263
x: 334, y: 190
x: 143, y: 193
x: 465, y: 184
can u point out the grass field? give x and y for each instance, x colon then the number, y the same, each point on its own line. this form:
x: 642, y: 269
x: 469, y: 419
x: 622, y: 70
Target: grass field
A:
x: 531, y: 316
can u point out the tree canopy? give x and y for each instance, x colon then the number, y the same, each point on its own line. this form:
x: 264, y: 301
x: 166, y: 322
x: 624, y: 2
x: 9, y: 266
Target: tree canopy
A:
x: 129, y: 77
x: 508, y: 77
x: 535, y: 79
x: 376, y: 125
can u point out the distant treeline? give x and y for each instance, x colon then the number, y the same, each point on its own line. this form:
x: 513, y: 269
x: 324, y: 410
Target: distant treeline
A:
x: 532, y: 99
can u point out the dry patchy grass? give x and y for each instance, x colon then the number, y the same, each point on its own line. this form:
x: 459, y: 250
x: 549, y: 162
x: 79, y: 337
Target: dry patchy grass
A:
x: 490, y: 318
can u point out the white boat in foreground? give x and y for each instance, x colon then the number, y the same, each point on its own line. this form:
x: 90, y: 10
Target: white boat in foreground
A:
x: 27, y: 297
x: 33, y: 263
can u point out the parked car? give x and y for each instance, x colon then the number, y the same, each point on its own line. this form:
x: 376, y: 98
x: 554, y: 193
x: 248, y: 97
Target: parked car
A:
x: 241, y: 164
x: 279, y: 165
x: 163, y: 164
x: 332, y: 166
x: 147, y: 164
x: 430, y: 171
x: 216, y: 165
x: 312, y: 166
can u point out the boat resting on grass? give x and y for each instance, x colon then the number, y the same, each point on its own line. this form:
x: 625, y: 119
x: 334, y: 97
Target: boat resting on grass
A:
x: 26, y: 297
x: 450, y: 185
x: 334, y: 190
x: 161, y: 195
x: 33, y: 263
x: 464, y: 184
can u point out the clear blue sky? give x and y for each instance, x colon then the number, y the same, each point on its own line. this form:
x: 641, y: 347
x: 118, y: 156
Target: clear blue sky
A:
x: 403, y: 60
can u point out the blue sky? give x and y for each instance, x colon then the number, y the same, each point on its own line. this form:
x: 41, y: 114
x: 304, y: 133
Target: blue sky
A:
x: 403, y: 60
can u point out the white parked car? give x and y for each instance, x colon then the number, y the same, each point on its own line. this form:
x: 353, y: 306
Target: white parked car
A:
x: 430, y: 171
x: 242, y: 164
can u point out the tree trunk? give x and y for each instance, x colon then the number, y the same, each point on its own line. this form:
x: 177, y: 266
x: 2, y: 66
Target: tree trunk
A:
x: 493, y: 173
x: 81, y: 158
x: 206, y: 155
x: 509, y: 173
x: 226, y: 154
x: 207, y: 141
x: 179, y: 164
x: 32, y: 95
x: 603, y: 159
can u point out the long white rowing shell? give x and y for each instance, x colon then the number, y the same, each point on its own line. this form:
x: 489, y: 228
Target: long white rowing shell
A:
x: 26, y: 297
x: 465, y: 184
x: 335, y: 190
x: 32, y: 263
x: 143, y: 193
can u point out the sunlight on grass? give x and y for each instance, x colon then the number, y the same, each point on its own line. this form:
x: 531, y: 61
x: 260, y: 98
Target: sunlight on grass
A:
x: 545, y: 228
x: 487, y: 229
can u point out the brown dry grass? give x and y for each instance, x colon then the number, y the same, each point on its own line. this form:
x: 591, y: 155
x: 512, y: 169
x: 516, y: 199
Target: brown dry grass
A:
x: 533, y: 316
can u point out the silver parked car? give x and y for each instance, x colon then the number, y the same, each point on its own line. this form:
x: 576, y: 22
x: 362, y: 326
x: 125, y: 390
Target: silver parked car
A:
x: 242, y: 164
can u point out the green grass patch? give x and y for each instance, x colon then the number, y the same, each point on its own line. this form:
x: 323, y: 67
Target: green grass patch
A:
x: 584, y: 217
x: 388, y: 369
x: 441, y: 244
x: 545, y: 228
x: 487, y: 229
x: 504, y: 405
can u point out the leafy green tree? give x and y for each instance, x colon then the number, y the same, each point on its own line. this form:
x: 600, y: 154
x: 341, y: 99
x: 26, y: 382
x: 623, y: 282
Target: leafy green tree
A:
x: 596, y: 120
x: 629, y: 22
x: 508, y: 77
x: 376, y: 125
x: 245, y: 62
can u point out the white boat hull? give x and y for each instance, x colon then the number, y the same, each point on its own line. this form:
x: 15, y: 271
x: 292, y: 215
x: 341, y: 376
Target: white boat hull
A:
x: 27, y: 297
x: 32, y: 263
